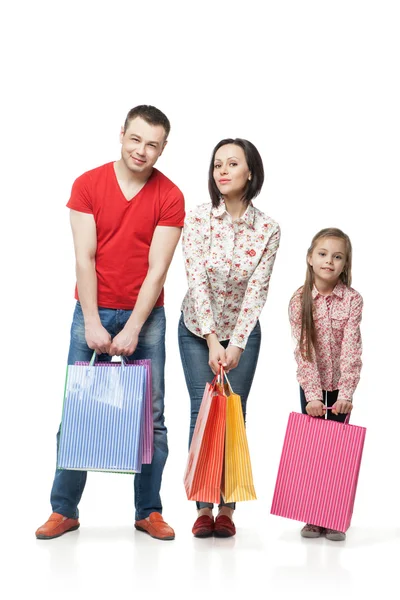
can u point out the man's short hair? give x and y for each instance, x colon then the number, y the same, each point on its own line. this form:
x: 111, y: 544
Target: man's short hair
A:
x: 150, y: 114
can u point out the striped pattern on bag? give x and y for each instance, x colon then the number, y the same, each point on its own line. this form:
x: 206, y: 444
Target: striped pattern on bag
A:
x: 237, y: 485
x: 204, y: 467
x: 102, y: 419
x: 318, y: 472
x: 148, y: 425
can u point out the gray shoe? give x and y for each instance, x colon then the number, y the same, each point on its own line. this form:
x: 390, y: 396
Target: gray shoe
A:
x: 311, y: 531
x: 335, y: 536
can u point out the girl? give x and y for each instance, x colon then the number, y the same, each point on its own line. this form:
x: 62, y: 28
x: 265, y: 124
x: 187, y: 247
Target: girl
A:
x: 229, y: 248
x: 325, y: 316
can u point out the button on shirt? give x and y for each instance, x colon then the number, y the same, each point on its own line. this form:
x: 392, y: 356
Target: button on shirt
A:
x: 337, y: 363
x: 228, y: 267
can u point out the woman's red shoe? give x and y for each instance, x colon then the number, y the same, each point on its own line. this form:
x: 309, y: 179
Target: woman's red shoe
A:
x: 224, y: 527
x: 203, y: 527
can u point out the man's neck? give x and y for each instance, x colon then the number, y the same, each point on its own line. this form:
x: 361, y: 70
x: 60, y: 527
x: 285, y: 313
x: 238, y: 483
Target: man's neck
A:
x: 128, y: 176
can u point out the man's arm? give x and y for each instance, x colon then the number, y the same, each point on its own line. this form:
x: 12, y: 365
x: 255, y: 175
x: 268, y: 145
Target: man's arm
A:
x: 85, y: 243
x: 164, y: 242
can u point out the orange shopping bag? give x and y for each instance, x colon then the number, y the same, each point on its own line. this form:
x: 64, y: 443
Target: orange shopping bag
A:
x: 204, y: 467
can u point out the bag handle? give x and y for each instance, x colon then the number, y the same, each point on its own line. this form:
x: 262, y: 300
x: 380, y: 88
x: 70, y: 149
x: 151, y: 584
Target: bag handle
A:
x: 346, y: 421
x: 221, y: 375
x: 218, y: 377
x: 124, y: 360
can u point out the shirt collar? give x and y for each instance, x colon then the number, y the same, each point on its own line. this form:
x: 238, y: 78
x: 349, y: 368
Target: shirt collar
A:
x: 337, y: 290
x: 247, y: 218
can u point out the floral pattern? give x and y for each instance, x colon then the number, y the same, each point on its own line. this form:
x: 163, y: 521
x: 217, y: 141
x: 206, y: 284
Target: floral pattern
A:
x: 337, y: 363
x: 228, y: 267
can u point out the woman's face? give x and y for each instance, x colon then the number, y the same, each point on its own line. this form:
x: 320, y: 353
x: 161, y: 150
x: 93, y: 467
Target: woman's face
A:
x: 231, y: 172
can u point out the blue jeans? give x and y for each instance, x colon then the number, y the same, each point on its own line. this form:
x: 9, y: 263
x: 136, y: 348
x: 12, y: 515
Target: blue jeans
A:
x: 194, y: 357
x: 68, y: 486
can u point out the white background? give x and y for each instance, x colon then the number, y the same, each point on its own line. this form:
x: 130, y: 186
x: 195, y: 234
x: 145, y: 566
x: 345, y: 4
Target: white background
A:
x: 315, y: 86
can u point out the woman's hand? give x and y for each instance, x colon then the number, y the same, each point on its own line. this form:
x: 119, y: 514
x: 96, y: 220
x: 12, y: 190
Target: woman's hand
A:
x: 315, y: 408
x: 233, y: 354
x: 217, y: 353
x: 342, y: 407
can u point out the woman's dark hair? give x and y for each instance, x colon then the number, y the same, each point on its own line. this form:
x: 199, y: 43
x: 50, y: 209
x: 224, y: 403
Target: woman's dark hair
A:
x: 255, y: 164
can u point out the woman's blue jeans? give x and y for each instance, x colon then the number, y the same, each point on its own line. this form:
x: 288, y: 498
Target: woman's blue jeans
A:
x: 194, y: 357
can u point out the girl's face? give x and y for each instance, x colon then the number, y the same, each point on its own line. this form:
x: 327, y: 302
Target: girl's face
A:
x: 231, y: 172
x: 328, y: 260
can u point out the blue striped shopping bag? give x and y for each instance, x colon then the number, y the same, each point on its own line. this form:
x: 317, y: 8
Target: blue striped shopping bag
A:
x: 103, y: 418
x: 148, y: 426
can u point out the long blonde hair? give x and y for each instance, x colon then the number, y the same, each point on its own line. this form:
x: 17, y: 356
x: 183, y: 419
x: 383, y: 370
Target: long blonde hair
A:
x: 308, y: 334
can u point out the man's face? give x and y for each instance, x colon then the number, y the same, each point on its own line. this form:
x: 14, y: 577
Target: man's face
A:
x: 142, y: 144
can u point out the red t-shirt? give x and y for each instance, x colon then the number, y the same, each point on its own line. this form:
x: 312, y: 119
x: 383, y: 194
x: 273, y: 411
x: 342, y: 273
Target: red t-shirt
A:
x: 125, y: 229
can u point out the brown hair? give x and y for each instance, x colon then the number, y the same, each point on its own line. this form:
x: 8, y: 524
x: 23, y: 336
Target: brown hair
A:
x: 308, y: 335
x: 150, y: 114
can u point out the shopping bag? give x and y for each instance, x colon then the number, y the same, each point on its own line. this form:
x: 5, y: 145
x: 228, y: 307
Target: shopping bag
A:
x: 318, y: 472
x: 147, y: 448
x: 205, y: 461
x: 103, y: 417
x: 237, y: 481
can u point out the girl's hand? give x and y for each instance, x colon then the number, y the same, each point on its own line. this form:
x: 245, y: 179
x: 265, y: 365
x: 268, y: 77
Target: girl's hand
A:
x: 217, y: 353
x: 233, y: 354
x: 342, y: 407
x: 315, y: 408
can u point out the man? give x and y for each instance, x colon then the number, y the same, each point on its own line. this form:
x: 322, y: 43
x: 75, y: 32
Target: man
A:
x: 126, y: 220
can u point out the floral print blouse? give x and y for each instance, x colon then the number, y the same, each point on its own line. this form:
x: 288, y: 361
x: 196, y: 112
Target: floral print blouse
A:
x: 228, y: 267
x: 337, y: 363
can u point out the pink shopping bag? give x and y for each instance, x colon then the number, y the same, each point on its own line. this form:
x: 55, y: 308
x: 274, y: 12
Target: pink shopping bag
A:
x: 318, y: 472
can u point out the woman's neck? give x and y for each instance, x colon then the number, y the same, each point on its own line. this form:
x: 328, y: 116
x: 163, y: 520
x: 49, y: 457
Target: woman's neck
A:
x: 235, y: 207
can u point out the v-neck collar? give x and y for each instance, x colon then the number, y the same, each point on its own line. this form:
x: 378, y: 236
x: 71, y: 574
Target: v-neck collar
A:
x: 124, y: 198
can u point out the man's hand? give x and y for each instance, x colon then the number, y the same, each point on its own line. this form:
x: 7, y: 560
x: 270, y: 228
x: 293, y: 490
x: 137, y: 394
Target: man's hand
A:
x: 342, y: 407
x: 124, y: 344
x: 233, y: 354
x: 97, y: 338
x: 315, y: 408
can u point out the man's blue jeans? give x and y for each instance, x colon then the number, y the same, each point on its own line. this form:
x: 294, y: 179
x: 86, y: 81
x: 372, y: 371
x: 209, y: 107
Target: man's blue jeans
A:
x: 194, y: 357
x: 68, y: 486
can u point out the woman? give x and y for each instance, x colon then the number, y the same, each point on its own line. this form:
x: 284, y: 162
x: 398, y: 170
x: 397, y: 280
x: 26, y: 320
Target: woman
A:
x: 229, y: 248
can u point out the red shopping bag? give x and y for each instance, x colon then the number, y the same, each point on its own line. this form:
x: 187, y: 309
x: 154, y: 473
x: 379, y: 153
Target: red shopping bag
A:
x: 318, y: 471
x: 205, y: 461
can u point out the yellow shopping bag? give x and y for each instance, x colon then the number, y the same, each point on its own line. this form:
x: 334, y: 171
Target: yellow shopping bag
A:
x: 237, y: 480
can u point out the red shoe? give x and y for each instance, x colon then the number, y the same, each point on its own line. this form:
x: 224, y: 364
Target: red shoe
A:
x: 156, y: 527
x: 224, y: 527
x: 203, y: 527
x: 55, y: 526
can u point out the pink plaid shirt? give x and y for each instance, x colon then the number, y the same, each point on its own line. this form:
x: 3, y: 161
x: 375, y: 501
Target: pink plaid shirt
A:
x: 228, y: 267
x: 337, y: 363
